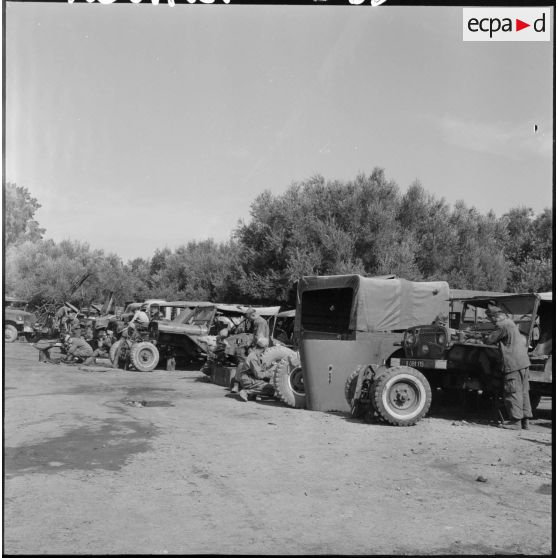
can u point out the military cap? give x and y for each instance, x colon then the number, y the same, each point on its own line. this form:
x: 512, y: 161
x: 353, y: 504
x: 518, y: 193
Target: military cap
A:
x: 492, y: 309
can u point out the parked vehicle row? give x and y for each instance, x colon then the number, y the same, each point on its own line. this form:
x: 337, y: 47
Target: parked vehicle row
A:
x: 375, y: 346
x: 371, y: 346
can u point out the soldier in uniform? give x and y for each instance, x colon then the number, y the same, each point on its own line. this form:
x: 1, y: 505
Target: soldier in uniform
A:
x: 104, y: 343
x: 141, y: 319
x: 260, y: 330
x: 516, y: 368
x: 67, y: 320
x: 77, y: 348
x: 257, y: 325
x: 253, y: 374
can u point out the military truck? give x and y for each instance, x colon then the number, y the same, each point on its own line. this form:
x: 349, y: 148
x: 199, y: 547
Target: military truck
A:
x: 17, y: 320
x: 345, y: 321
x: 458, y: 358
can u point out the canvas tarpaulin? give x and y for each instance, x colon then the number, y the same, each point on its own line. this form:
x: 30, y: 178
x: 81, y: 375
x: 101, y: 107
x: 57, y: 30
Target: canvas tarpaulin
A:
x: 380, y: 304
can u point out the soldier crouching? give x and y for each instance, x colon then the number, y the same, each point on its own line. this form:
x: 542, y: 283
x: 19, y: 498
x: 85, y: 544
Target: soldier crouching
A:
x: 105, y: 340
x: 253, y: 375
x: 77, y: 348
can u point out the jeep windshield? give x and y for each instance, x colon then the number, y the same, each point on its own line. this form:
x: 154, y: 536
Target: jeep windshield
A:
x: 202, y: 315
x: 520, y: 308
x: 15, y: 303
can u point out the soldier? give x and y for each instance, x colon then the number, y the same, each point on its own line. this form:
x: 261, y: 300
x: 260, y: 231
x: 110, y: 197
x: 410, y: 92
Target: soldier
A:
x: 260, y: 329
x: 253, y: 375
x: 141, y: 319
x: 516, y: 368
x: 257, y: 325
x: 104, y: 343
x: 67, y: 319
x: 78, y: 349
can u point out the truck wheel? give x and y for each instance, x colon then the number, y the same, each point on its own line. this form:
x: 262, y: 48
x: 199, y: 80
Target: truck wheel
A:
x: 289, y: 382
x: 10, y: 333
x: 402, y: 395
x: 350, y: 385
x: 114, y: 348
x: 357, y: 411
x: 275, y: 354
x: 144, y: 356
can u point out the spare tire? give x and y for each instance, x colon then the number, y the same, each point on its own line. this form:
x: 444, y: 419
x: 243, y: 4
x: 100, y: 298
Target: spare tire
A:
x: 350, y: 385
x: 275, y: 354
x: 358, y: 410
x: 401, y: 395
x: 288, y: 381
x: 144, y: 356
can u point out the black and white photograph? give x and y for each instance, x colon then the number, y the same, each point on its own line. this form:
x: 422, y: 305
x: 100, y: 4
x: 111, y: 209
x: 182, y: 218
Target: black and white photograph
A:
x: 278, y: 277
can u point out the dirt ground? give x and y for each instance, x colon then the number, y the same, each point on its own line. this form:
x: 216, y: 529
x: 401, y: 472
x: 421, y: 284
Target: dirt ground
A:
x: 90, y: 469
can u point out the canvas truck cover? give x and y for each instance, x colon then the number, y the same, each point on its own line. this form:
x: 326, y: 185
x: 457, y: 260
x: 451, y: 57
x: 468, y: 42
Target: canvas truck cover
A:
x: 512, y: 303
x: 381, y: 304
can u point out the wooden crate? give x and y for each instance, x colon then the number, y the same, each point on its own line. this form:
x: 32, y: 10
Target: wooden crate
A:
x: 223, y: 375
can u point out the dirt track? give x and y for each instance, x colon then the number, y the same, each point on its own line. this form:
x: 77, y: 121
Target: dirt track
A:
x: 200, y: 471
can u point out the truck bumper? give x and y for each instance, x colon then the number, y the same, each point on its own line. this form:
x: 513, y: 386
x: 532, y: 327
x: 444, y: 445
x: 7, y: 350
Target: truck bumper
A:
x: 420, y: 363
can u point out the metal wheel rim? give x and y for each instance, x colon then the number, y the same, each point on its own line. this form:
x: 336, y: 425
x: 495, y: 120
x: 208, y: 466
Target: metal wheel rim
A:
x: 404, y: 397
x: 296, y: 380
x: 145, y: 356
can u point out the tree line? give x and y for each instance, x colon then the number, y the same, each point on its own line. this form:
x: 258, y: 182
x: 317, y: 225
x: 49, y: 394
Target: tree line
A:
x: 316, y: 227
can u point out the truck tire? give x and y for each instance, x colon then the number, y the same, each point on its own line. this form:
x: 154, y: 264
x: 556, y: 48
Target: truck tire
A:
x: 358, y: 410
x: 10, y: 333
x: 275, y: 354
x: 289, y: 382
x: 350, y: 385
x: 114, y: 348
x: 401, y: 395
x: 144, y: 356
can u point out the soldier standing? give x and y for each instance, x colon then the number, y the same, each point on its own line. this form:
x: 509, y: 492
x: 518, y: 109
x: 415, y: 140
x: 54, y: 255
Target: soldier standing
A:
x: 516, y: 368
x: 258, y: 326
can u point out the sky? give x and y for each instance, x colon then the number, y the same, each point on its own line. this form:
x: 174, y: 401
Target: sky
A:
x: 140, y: 126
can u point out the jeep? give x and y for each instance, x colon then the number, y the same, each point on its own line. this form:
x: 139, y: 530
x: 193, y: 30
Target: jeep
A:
x: 457, y: 358
x: 192, y: 334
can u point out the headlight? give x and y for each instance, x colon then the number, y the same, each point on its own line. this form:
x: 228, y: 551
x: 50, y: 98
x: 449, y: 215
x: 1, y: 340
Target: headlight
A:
x: 409, y: 339
x: 425, y: 349
x: 441, y: 339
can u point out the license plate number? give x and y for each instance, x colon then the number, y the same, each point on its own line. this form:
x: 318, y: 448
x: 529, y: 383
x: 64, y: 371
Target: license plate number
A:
x: 415, y: 363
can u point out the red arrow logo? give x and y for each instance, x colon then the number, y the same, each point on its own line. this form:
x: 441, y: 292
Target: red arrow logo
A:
x: 519, y: 25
